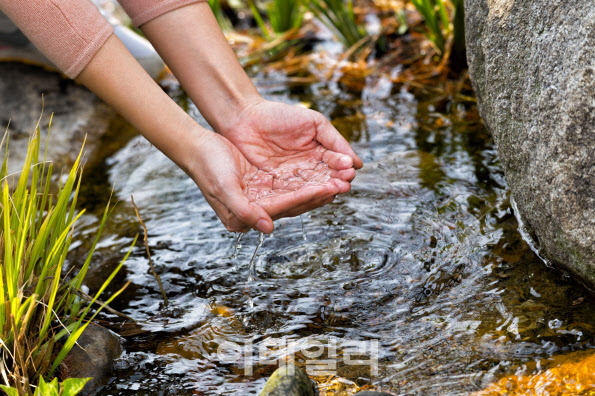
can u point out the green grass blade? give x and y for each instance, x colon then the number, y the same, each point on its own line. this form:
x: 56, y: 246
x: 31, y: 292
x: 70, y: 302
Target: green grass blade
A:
x: 259, y: 20
x: 78, y: 328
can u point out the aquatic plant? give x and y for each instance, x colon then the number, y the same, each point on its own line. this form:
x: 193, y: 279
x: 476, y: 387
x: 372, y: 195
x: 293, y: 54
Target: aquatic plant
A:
x: 436, y: 19
x: 41, y: 316
x: 338, y: 16
x: 285, y: 15
x: 70, y: 387
x: 445, y: 20
x: 217, y: 9
x: 259, y: 20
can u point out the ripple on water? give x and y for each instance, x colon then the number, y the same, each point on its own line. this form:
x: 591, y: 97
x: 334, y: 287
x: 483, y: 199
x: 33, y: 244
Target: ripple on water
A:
x: 422, y: 256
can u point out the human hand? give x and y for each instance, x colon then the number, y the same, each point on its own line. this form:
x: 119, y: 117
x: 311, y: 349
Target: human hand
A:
x: 244, y: 196
x: 292, y: 144
x: 287, y: 140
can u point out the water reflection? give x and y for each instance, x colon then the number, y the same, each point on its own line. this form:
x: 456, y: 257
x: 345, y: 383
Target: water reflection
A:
x: 422, y: 259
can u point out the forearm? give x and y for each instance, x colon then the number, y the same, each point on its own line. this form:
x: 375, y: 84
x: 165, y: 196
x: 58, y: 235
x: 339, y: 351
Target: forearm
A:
x: 193, y: 46
x: 115, y: 76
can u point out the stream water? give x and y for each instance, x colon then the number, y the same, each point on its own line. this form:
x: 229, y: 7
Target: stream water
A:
x: 417, y: 281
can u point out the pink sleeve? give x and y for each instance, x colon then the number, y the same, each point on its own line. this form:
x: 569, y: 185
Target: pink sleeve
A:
x: 68, y: 32
x: 142, y: 11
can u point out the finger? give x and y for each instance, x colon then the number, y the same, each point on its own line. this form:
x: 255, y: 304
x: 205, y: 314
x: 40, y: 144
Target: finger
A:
x: 306, y: 207
x: 224, y: 215
x: 331, y: 139
x: 342, y: 185
x: 285, y: 204
x: 243, y: 213
x: 346, y: 174
x: 337, y: 160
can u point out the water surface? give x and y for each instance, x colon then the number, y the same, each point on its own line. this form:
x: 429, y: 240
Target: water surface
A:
x: 421, y: 265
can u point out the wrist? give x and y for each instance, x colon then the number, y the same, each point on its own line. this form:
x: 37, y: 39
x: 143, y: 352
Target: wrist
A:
x: 192, y: 150
x: 228, y: 121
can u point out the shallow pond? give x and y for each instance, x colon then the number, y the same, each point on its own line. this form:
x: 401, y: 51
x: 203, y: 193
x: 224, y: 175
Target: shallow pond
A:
x: 417, y: 281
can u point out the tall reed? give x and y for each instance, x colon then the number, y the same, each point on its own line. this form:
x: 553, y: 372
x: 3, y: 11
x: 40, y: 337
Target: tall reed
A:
x: 339, y: 18
x: 445, y: 20
x: 285, y: 15
x: 217, y: 9
x: 436, y: 19
x: 40, y: 315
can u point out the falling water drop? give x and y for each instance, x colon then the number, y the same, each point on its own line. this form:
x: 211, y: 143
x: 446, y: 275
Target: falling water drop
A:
x: 304, y: 235
x: 252, y: 267
x: 237, y: 245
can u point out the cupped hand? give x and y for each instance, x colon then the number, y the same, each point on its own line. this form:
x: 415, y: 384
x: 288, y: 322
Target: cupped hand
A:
x: 244, y: 196
x: 280, y: 138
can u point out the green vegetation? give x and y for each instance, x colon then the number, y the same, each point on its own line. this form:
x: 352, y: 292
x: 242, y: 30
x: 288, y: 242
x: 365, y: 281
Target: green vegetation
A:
x: 69, y: 387
x: 338, y: 16
x: 443, y: 20
x: 219, y: 14
x: 259, y: 20
x: 285, y: 15
x: 443, y: 25
x: 436, y: 19
x: 41, y: 316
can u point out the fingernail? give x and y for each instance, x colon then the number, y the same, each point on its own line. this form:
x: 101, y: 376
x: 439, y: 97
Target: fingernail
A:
x: 347, y: 160
x: 262, y: 226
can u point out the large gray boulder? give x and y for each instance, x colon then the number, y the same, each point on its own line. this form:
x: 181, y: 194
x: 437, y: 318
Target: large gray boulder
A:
x: 76, y: 113
x: 532, y: 64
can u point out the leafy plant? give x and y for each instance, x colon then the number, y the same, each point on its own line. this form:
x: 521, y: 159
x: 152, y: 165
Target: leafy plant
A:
x: 338, y: 16
x: 41, y: 317
x: 70, y: 387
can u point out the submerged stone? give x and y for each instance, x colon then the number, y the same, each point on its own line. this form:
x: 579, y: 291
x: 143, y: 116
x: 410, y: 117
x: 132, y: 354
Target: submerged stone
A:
x: 288, y: 380
x: 532, y: 64
x: 93, y: 356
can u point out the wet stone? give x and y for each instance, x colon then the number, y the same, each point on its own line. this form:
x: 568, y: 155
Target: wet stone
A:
x: 77, y: 113
x: 532, y: 64
x: 93, y: 356
x: 289, y: 381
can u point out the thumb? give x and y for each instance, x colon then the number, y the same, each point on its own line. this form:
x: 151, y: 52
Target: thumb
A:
x: 328, y: 136
x: 245, y: 213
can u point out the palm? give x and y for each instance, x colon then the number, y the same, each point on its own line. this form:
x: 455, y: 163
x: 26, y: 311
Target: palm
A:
x: 285, y: 142
x: 232, y: 186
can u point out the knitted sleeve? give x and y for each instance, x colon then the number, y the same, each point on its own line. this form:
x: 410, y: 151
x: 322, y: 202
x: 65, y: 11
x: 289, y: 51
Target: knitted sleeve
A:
x: 142, y: 11
x: 68, y: 32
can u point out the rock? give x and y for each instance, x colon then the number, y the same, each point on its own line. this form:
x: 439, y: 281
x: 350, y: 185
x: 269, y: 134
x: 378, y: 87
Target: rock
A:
x: 77, y: 112
x: 93, y: 356
x: 373, y: 393
x: 289, y: 380
x: 532, y: 64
